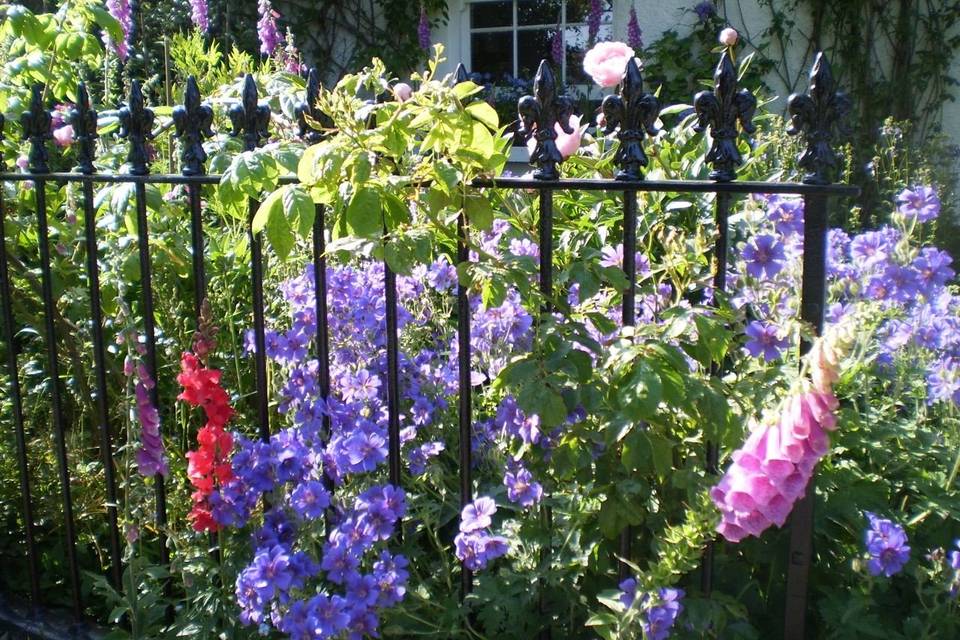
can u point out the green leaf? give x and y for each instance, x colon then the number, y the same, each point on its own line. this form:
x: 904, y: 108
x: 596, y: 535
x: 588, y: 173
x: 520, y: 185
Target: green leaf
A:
x: 662, y: 451
x: 479, y: 212
x: 363, y: 215
x: 299, y: 209
x: 466, y: 89
x: 536, y: 397
x: 484, y: 113
x: 106, y: 21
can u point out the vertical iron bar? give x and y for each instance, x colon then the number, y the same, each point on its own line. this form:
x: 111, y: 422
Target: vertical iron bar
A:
x: 720, y: 255
x: 812, y: 302
x: 150, y: 333
x: 53, y: 364
x: 196, y: 242
x: 629, y: 312
x: 323, y: 327
x: 546, y: 248
x: 465, y: 417
x: 393, y: 374
x: 6, y: 300
x: 99, y: 360
x: 259, y: 323
x: 545, y: 226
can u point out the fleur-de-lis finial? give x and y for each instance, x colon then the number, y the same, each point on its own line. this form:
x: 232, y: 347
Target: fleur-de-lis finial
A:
x: 539, y: 115
x: 84, y: 121
x: 36, y: 123
x: 721, y: 110
x: 136, y: 125
x: 250, y: 119
x: 192, y: 120
x: 635, y: 112
x: 460, y: 74
x: 309, y: 115
x: 818, y: 114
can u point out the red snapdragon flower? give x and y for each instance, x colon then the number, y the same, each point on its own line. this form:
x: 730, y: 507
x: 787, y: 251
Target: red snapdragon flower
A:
x: 208, y: 466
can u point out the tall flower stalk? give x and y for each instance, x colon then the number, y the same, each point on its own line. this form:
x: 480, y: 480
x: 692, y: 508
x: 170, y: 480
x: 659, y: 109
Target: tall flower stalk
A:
x: 200, y: 15
x: 267, y: 30
x: 423, y: 29
x: 123, y: 13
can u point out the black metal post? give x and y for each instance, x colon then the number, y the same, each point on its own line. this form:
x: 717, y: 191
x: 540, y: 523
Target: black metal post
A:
x: 36, y: 125
x: 136, y: 125
x: 84, y: 121
x: 323, y: 328
x: 817, y: 115
x: 53, y: 370
x: 6, y: 299
x: 812, y: 303
x: 720, y: 257
x: 250, y: 121
x: 628, y: 316
x: 466, y: 402
x: 393, y: 375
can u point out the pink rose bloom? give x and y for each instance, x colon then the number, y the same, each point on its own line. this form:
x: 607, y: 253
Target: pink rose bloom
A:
x: 402, y: 91
x: 567, y: 143
x: 23, y: 162
x: 606, y: 62
x: 63, y: 136
x: 729, y: 37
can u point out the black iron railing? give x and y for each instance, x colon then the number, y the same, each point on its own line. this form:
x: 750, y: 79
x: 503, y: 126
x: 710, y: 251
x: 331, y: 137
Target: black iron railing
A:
x: 725, y: 112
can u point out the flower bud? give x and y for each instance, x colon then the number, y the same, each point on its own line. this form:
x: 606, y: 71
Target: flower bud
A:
x: 402, y: 91
x: 729, y: 37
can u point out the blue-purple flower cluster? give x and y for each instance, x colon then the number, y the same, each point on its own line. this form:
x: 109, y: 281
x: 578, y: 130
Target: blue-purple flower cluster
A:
x: 887, y: 267
x: 658, y: 613
x: 475, y: 546
x: 886, y: 544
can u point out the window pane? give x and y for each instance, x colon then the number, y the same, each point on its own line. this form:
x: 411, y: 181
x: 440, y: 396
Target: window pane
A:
x: 491, y: 14
x: 538, y: 12
x: 533, y: 45
x: 492, y: 53
x: 575, y: 39
x: 577, y: 11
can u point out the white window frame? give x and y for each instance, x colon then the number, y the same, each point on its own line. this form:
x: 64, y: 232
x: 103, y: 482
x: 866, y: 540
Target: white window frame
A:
x: 467, y: 31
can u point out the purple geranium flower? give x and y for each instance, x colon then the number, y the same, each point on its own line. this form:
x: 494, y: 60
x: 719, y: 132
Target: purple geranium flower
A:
x: 477, y: 514
x: 886, y: 544
x: 309, y: 500
x: 764, y: 256
x: 920, y: 203
x: 765, y: 340
x: 521, y: 487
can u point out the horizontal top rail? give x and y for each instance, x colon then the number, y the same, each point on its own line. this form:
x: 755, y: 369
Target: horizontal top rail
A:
x: 671, y: 186
x: 506, y: 182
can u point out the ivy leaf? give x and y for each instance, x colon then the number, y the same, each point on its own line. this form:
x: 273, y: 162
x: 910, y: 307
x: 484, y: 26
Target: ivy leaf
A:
x: 363, y: 216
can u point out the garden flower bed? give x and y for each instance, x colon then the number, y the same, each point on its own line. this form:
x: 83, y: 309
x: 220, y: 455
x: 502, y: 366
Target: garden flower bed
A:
x: 300, y: 362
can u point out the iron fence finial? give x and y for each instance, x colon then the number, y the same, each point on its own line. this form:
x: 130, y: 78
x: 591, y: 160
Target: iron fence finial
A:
x: 36, y: 123
x: 635, y: 112
x: 192, y: 121
x: 84, y: 121
x: 818, y: 114
x: 460, y: 74
x: 136, y: 125
x: 250, y: 119
x: 308, y: 114
x: 721, y: 110
x: 539, y: 115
